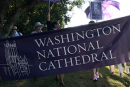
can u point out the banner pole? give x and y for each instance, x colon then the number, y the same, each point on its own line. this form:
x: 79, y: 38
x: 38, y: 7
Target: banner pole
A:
x: 49, y: 3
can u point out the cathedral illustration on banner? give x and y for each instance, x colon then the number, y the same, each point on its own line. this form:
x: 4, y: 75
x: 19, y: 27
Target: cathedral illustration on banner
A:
x: 17, y: 65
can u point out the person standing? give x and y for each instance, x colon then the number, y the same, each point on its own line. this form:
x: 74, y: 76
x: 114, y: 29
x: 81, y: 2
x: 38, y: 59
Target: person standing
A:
x: 54, y: 26
x: 15, y: 32
x: 37, y: 27
x: 120, y: 68
x: 95, y: 70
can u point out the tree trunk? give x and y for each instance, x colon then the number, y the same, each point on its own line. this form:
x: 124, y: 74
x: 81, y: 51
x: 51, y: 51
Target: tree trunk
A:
x: 5, y: 30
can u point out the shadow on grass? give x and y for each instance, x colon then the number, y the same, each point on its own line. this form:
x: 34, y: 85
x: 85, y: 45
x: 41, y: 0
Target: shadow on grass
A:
x: 76, y: 79
x: 115, y: 80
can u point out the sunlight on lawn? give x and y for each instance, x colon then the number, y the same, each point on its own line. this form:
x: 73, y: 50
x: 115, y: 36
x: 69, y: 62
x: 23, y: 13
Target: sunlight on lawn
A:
x: 75, y: 79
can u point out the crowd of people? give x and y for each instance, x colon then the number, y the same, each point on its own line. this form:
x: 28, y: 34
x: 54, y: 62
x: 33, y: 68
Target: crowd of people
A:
x: 55, y: 26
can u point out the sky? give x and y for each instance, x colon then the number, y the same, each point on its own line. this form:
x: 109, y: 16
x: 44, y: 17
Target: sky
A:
x: 79, y: 17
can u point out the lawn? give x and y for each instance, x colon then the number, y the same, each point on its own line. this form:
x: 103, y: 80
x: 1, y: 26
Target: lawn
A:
x: 76, y: 79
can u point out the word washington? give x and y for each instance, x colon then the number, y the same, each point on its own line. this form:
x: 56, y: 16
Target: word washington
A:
x: 76, y: 36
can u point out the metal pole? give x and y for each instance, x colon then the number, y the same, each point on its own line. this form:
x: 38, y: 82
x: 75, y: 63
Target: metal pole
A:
x: 49, y: 3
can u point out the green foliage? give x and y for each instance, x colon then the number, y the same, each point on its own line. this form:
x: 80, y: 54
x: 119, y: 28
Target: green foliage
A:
x: 24, y: 14
x: 38, y: 13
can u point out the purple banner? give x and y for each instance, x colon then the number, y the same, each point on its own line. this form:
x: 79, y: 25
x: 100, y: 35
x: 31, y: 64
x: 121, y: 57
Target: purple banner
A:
x: 66, y: 50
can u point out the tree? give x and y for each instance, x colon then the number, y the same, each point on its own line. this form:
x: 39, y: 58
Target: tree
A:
x: 24, y: 13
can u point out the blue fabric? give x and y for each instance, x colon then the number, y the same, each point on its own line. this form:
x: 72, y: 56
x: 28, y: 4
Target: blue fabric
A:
x: 16, y: 34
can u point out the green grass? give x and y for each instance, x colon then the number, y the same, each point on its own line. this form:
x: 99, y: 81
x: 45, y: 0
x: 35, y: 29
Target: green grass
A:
x: 76, y: 79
